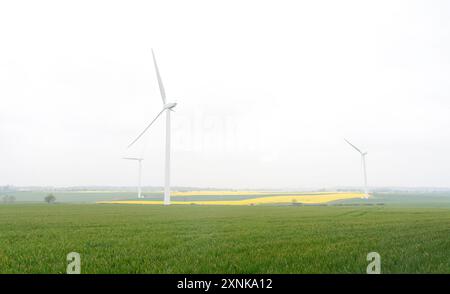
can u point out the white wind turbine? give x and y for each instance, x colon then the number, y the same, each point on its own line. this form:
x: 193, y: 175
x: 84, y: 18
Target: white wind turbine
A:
x: 167, y: 107
x: 139, y: 160
x: 363, y: 163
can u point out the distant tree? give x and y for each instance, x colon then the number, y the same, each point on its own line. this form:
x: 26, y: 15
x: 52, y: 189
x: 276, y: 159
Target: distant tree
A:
x: 50, y: 198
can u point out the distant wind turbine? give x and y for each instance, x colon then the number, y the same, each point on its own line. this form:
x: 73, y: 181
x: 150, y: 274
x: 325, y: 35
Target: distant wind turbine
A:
x: 167, y: 107
x: 363, y: 163
x: 140, y: 172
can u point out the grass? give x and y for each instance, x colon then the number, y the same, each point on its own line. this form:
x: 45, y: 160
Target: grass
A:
x: 35, y: 238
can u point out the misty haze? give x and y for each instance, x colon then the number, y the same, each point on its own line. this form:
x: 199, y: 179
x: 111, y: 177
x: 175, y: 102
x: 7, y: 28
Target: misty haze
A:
x: 224, y: 137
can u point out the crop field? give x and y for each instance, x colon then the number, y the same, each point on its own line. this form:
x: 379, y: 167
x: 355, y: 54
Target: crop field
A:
x: 261, y: 200
x: 35, y: 238
x: 428, y: 199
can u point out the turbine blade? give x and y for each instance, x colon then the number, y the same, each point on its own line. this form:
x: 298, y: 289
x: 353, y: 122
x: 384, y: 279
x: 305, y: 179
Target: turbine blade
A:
x: 145, y: 130
x: 353, y: 146
x: 160, y: 83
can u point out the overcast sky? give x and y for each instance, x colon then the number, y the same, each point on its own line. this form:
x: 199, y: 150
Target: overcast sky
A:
x: 267, y: 90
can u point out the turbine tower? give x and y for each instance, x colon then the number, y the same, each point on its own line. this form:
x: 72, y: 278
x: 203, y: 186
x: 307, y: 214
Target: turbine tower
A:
x: 363, y: 163
x: 167, y: 107
x: 140, y: 172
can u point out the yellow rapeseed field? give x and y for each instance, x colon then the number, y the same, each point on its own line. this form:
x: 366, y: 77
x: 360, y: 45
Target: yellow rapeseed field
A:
x: 217, y: 193
x: 305, y: 199
x: 239, y: 193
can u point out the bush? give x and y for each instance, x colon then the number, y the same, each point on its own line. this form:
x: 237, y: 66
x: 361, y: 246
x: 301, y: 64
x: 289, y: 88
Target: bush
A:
x: 295, y: 203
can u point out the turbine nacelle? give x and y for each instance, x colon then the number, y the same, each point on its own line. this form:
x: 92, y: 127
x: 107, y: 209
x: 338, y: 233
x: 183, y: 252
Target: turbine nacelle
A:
x: 170, y: 106
x: 133, y: 158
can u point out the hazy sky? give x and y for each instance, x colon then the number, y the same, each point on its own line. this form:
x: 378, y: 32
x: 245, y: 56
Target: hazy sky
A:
x: 267, y: 90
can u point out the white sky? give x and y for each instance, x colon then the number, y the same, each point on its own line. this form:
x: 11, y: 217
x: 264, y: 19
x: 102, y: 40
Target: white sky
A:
x: 267, y: 90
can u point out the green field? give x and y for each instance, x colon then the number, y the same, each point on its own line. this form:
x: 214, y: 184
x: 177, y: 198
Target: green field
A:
x: 35, y: 238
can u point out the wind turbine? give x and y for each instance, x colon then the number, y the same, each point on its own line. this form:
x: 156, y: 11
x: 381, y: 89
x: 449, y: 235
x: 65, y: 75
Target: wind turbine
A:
x: 363, y: 163
x: 140, y: 172
x: 167, y: 107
